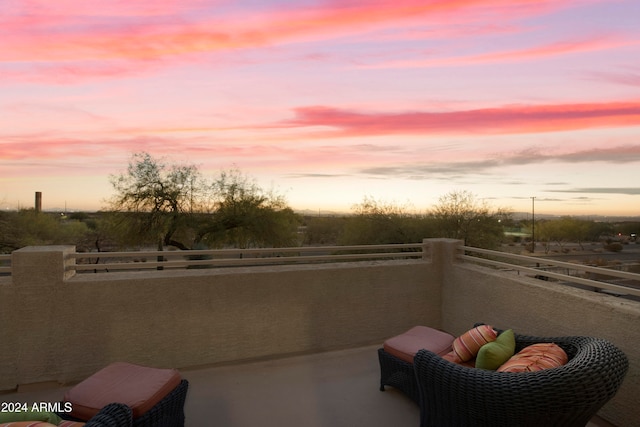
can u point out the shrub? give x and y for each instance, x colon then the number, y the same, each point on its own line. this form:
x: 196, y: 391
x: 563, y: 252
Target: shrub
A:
x: 613, y: 247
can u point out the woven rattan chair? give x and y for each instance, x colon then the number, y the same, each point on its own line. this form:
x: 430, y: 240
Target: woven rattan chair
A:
x: 455, y: 396
x: 398, y: 374
x: 112, y: 415
x: 169, y: 412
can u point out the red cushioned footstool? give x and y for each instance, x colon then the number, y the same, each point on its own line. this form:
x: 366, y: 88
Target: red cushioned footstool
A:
x: 155, y: 396
x: 397, y: 353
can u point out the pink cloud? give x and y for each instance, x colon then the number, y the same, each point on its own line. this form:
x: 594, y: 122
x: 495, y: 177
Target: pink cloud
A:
x: 52, y: 147
x: 631, y: 77
x: 69, y: 41
x: 516, y: 55
x: 67, y: 8
x: 502, y: 120
x: 38, y: 154
x: 65, y: 33
x: 72, y: 72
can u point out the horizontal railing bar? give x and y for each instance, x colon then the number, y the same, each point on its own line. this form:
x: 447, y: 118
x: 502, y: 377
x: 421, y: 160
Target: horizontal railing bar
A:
x: 590, y: 269
x: 5, y: 259
x: 240, y: 261
x: 623, y: 290
x: 256, y: 251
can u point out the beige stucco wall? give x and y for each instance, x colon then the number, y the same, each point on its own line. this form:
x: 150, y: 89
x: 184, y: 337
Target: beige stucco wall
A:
x: 8, y: 339
x: 65, y: 328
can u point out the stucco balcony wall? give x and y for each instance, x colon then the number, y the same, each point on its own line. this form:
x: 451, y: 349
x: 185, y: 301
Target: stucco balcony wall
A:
x: 59, y: 327
x: 62, y: 328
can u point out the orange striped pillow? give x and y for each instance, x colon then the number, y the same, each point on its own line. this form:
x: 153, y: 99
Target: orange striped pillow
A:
x: 536, y: 357
x: 467, y: 345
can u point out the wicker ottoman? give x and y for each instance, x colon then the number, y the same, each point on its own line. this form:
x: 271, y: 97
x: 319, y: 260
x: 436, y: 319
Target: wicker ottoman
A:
x: 155, y: 396
x: 397, y: 353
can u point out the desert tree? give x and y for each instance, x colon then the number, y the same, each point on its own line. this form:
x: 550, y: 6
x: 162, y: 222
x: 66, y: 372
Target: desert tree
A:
x: 246, y: 215
x: 174, y: 205
x: 154, y: 199
x: 324, y: 230
x: 461, y: 215
x: 380, y: 222
x: 570, y: 229
x: 28, y: 227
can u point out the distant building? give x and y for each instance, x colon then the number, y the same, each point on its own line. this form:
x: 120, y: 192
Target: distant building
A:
x: 38, y: 201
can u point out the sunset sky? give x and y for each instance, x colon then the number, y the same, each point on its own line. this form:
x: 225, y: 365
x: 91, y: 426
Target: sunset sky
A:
x: 327, y: 101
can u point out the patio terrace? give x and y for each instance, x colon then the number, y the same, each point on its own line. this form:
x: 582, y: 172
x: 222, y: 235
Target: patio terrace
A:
x: 331, y: 389
x: 283, y: 344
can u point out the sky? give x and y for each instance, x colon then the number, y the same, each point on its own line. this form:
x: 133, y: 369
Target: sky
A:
x: 327, y: 102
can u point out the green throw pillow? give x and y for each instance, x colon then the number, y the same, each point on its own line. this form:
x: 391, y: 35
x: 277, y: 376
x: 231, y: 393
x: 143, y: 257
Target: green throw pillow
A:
x: 494, y: 354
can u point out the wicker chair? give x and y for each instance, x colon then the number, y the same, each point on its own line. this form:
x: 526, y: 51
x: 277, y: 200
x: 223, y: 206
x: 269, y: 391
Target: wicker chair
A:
x: 399, y: 374
x: 169, y: 412
x: 112, y: 415
x: 453, y: 395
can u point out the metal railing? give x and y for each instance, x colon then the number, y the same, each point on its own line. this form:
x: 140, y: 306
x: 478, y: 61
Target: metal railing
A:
x: 5, y: 264
x: 600, y: 279
x: 541, y: 269
x: 113, y: 261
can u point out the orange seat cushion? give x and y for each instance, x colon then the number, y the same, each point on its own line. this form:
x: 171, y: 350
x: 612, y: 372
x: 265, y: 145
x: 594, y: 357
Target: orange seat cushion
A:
x: 405, y: 346
x: 138, y: 387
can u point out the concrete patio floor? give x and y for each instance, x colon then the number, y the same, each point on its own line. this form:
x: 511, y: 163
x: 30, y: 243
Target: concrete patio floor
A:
x: 332, y: 389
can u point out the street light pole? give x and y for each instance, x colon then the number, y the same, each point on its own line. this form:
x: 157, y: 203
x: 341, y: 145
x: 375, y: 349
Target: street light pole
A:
x: 533, y: 224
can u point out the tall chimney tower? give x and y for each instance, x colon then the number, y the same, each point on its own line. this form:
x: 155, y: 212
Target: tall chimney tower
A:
x: 38, y: 201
